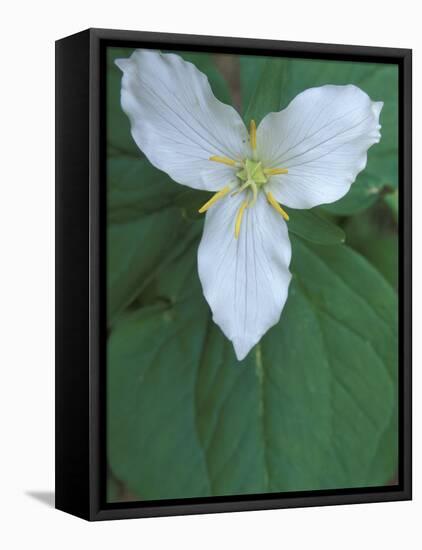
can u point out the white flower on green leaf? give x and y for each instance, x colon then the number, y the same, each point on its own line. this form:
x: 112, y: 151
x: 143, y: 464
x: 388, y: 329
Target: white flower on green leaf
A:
x: 305, y: 155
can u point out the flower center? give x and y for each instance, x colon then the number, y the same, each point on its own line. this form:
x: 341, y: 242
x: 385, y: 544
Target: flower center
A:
x: 252, y: 171
x: 251, y: 178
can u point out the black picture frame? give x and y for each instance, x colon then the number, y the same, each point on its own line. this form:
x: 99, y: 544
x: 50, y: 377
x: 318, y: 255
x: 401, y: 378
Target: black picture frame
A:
x: 80, y: 284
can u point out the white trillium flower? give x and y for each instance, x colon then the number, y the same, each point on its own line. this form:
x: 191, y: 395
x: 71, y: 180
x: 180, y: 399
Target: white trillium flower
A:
x: 305, y: 155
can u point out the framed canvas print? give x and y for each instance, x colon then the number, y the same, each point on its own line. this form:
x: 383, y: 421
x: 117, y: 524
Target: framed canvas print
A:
x: 233, y: 274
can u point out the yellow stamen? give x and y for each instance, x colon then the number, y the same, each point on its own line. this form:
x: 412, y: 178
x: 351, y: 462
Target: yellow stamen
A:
x: 224, y: 160
x: 219, y: 195
x: 239, y: 218
x: 277, y: 207
x: 241, y: 188
x: 275, y: 171
x: 254, y: 193
x: 252, y: 133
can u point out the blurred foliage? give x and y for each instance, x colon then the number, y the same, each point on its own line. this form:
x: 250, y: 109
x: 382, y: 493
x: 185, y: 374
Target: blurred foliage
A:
x: 381, y: 248
x: 313, y: 406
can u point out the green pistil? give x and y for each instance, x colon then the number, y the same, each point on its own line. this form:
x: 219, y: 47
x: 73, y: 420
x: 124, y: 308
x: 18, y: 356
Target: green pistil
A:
x: 252, y: 171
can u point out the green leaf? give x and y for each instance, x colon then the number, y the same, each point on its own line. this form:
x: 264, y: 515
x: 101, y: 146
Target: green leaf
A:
x: 383, y: 254
x: 153, y: 443
x: 311, y: 226
x: 136, y: 188
x: 373, y: 234
x: 190, y: 202
x: 251, y: 67
x: 313, y: 406
x: 144, y: 227
x: 392, y: 201
x: 365, y: 192
x: 136, y: 251
x: 268, y: 77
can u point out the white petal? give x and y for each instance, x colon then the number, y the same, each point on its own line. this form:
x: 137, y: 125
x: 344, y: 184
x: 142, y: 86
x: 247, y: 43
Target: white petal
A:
x: 244, y: 280
x: 178, y: 122
x: 322, y: 138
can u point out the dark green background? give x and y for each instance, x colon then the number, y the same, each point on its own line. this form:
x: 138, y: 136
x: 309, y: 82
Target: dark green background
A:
x: 314, y: 405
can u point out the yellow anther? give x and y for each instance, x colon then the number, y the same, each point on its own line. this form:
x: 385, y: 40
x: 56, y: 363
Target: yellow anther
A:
x: 239, y: 218
x: 277, y: 207
x: 224, y: 160
x: 252, y: 133
x: 219, y: 195
x: 275, y: 171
